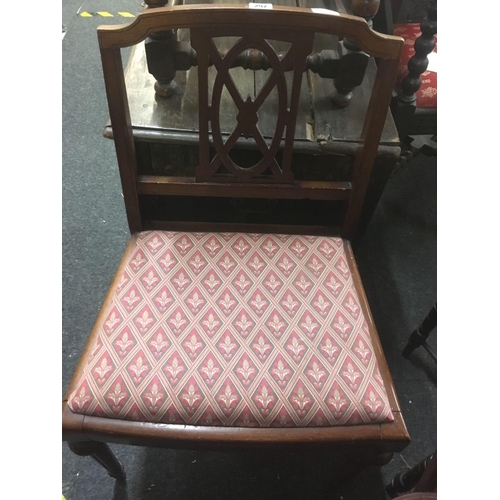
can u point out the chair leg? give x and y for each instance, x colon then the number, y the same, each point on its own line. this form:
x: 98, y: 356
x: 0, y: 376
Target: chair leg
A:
x: 407, y: 480
x: 428, y: 480
x: 419, y: 336
x: 102, y: 454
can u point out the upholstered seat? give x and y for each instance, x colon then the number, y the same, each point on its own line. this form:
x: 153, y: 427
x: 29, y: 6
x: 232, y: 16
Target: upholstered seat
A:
x: 427, y: 93
x: 234, y: 329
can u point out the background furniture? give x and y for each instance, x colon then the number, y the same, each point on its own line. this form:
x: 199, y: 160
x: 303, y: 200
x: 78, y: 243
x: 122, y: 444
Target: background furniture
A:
x: 422, y: 478
x: 136, y: 190
x: 414, y: 105
x: 420, y: 335
x: 415, y: 108
x: 341, y: 60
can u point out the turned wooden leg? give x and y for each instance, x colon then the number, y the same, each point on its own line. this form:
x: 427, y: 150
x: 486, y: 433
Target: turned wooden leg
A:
x: 102, y: 454
x: 428, y: 480
x: 414, y: 478
x: 404, y: 104
x: 353, y: 61
x: 350, y: 74
x: 160, y: 58
x: 418, y: 63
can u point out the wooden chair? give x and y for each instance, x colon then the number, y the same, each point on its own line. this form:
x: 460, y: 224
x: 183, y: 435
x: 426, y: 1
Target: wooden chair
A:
x: 217, y: 336
x: 414, y: 105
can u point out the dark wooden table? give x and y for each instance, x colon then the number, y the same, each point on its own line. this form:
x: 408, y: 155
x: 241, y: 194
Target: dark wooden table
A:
x: 166, y: 129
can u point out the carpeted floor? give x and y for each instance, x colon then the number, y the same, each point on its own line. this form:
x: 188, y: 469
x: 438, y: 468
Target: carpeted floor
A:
x: 397, y: 260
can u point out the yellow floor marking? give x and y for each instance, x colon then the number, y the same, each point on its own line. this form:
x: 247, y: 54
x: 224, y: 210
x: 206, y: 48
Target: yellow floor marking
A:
x: 105, y: 14
x: 126, y: 14
x: 86, y: 14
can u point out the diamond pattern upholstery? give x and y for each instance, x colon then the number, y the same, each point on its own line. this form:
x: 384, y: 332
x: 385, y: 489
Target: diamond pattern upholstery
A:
x: 234, y: 329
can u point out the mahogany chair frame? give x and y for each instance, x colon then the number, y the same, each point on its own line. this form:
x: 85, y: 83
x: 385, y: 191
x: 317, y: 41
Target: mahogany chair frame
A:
x: 371, y: 443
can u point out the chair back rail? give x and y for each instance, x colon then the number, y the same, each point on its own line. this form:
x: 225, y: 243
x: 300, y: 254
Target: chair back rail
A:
x: 207, y: 22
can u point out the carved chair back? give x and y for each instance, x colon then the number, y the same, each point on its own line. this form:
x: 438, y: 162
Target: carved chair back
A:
x: 218, y: 174
x: 294, y: 60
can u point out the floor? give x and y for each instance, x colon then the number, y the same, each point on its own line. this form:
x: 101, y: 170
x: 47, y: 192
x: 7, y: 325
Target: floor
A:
x: 397, y: 260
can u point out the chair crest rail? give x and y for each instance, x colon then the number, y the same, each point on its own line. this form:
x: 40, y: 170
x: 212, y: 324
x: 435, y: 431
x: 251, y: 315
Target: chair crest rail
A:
x: 201, y: 15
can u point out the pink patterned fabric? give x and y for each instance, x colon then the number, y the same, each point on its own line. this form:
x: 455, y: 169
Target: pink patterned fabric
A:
x: 234, y: 329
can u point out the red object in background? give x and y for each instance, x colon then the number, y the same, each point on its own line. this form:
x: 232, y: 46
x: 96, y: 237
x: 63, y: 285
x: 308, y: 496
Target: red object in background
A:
x: 427, y: 93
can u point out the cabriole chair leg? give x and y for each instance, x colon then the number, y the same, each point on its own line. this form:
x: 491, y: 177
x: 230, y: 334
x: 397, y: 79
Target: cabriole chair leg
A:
x: 102, y: 454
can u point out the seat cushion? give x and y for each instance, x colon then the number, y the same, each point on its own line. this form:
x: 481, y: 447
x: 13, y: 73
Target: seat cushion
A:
x: 427, y: 93
x: 234, y: 329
